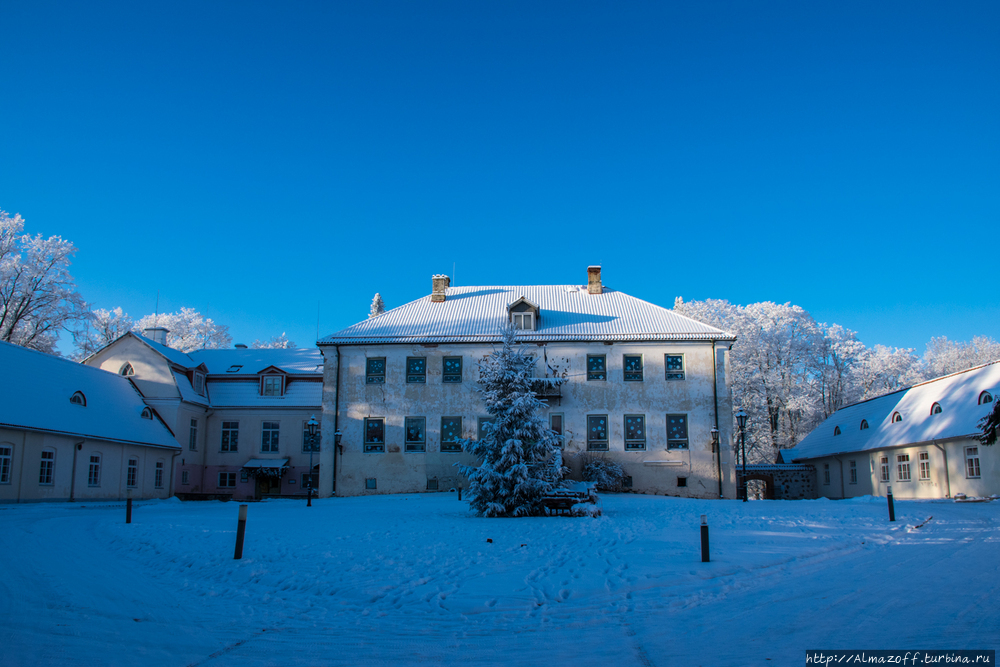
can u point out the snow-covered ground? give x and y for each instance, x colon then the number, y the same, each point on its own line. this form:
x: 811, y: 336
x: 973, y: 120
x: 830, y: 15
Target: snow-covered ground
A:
x: 414, y: 579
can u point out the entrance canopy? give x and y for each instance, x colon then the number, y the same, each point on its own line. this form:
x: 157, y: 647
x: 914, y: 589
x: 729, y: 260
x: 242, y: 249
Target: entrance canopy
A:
x: 259, y: 468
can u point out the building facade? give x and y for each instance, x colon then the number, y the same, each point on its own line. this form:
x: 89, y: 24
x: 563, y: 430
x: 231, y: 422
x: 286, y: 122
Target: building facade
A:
x: 643, y: 386
x: 920, y: 441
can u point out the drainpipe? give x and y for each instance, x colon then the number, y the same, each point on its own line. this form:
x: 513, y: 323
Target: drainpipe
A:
x: 715, y: 400
x: 947, y: 476
x: 336, y: 418
x: 837, y: 459
x: 72, y: 480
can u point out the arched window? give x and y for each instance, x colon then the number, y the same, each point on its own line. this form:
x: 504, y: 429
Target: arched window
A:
x: 127, y: 370
x: 936, y: 409
x: 147, y: 413
x: 864, y: 424
x: 836, y: 430
x: 896, y: 417
x: 78, y: 399
x: 985, y: 397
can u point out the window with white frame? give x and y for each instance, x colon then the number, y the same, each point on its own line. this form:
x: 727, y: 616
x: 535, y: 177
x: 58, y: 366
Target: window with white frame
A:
x: 230, y: 436
x: 677, y: 432
x: 523, y: 320
x: 127, y: 370
x: 415, y: 434
x: 6, y: 456
x: 452, y: 370
x: 985, y: 397
x: 903, y: 467
x: 269, y: 436
x: 78, y: 399
x: 826, y: 473
x: 854, y: 471
x: 147, y: 413
x: 185, y: 477
x: 193, y: 436
x: 635, y: 432
x: 227, y: 480
x: 597, y: 433
x: 597, y: 367
x: 271, y: 385
x: 674, y: 365
x: 47, y: 467
x: 925, y: 465
x: 199, y: 383
x: 896, y: 418
x: 94, y: 471
x: 633, y: 367
x: 972, y: 462
x: 374, y: 435
x: 375, y: 370
x: 936, y: 409
x: 884, y: 469
x: 451, y: 432
x: 158, y: 475
x: 133, y: 470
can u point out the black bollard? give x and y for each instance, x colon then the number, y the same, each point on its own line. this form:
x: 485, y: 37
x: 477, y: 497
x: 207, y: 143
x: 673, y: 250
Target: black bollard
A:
x: 241, y: 527
x: 128, y: 510
x: 892, y: 510
x: 704, y: 538
x: 459, y: 493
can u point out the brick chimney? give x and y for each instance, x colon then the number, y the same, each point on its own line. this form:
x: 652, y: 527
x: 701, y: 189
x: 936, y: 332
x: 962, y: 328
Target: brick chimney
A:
x: 594, y: 280
x: 439, y: 284
x: 156, y: 334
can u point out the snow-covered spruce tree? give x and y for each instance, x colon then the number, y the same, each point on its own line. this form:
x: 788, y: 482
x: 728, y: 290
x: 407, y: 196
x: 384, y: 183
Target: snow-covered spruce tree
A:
x: 378, y: 306
x: 519, y: 457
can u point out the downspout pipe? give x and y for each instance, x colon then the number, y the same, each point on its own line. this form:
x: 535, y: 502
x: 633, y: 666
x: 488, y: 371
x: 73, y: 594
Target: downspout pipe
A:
x: 715, y: 402
x: 336, y: 418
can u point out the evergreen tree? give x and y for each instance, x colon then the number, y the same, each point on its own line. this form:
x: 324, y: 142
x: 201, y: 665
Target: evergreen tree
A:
x: 519, y: 457
x: 378, y: 307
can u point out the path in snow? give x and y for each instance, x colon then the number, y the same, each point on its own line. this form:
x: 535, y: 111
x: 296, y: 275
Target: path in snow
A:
x: 412, y: 579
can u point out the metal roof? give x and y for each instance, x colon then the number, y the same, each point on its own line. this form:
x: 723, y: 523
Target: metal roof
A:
x: 958, y: 394
x: 301, y: 393
x: 566, y: 313
x: 296, y: 360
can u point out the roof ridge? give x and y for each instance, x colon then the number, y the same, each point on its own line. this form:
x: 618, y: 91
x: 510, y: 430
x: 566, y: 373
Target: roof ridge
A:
x: 75, y: 364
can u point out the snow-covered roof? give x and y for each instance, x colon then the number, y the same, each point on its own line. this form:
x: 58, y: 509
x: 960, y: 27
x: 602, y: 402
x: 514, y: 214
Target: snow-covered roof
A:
x: 172, y: 355
x: 238, y: 361
x: 36, y: 395
x: 266, y: 463
x: 187, y: 391
x: 958, y: 394
x: 566, y: 312
x: 300, y: 393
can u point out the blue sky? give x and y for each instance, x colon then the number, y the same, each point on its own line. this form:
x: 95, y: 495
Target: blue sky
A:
x: 268, y: 162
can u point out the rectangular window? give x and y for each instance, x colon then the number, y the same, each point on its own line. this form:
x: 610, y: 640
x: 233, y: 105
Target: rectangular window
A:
x: 452, y: 370
x: 925, y: 465
x: 133, y: 469
x: 307, y: 444
x: 854, y: 472
x: 371, y: 483
x: 826, y: 473
x: 523, y: 320
x: 903, y: 467
x: 415, y: 438
x: 230, y: 436
x: 597, y: 367
x: 375, y: 370
x: 597, y: 432
x: 269, y: 437
x: 972, y: 461
x: 244, y: 475
x: 5, y: 463
x: 432, y: 485
x: 193, y: 436
x: 375, y: 435
x: 635, y: 432
x: 451, y: 432
x: 46, y: 469
x: 271, y: 385
x: 94, y: 472
x: 227, y: 480
x: 185, y: 477
x: 556, y: 424
x: 884, y: 469
x: 682, y: 481
x: 158, y: 475
x: 674, y: 364
x: 633, y: 367
x: 483, y: 421
x: 310, y: 481
x: 677, y: 432
x: 416, y: 370
x: 199, y: 383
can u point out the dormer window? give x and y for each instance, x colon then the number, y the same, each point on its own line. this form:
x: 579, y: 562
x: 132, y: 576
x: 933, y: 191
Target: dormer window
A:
x: 896, y: 417
x: 147, y: 413
x: 836, y: 430
x: 271, y: 385
x: 936, y: 409
x: 985, y: 397
x: 199, y: 383
x: 864, y: 424
x: 523, y: 314
x: 78, y: 399
x: 127, y: 370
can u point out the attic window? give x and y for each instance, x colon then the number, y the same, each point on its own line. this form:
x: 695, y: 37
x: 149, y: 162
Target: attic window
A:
x: 936, y: 409
x: 985, y: 397
x: 864, y: 424
x: 523, y: 314
x: 199, y: 383
x: 78, y: 399
x: 836, y: 430
x: 235, y: 368
x: 127, y: 370
x: 271, y: 385
x: 896, y: 417
x: 523, y: 321
x: 147, y: 413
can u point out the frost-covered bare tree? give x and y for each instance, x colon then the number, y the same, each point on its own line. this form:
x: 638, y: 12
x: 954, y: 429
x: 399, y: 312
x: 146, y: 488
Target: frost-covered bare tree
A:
x: 378, y: 306
x: 187, y: 330
x: 99, y: 328
x: 37, y: 295
x: 885, y: 369
x: 273, y: 343
x: 944, y: 357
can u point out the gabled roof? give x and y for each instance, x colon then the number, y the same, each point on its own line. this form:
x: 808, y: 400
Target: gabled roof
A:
x: 294, y: 361
x: 36, y: 396
x: 568, y: 313
x: 960, y: 413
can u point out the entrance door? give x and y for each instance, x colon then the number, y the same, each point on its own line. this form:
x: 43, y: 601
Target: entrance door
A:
x: 266, y: 486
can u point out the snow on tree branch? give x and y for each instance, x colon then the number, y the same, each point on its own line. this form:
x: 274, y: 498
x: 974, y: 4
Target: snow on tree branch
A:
x: 273, y: 343
x: 378, y: 306
x: 187, y: 330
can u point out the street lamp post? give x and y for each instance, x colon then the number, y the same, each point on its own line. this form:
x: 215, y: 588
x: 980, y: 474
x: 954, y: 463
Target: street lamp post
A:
x: 741, y: 421
x: 312, y: 425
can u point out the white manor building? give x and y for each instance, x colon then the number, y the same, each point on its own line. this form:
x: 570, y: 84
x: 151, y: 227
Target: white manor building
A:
x: 644, y: 386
